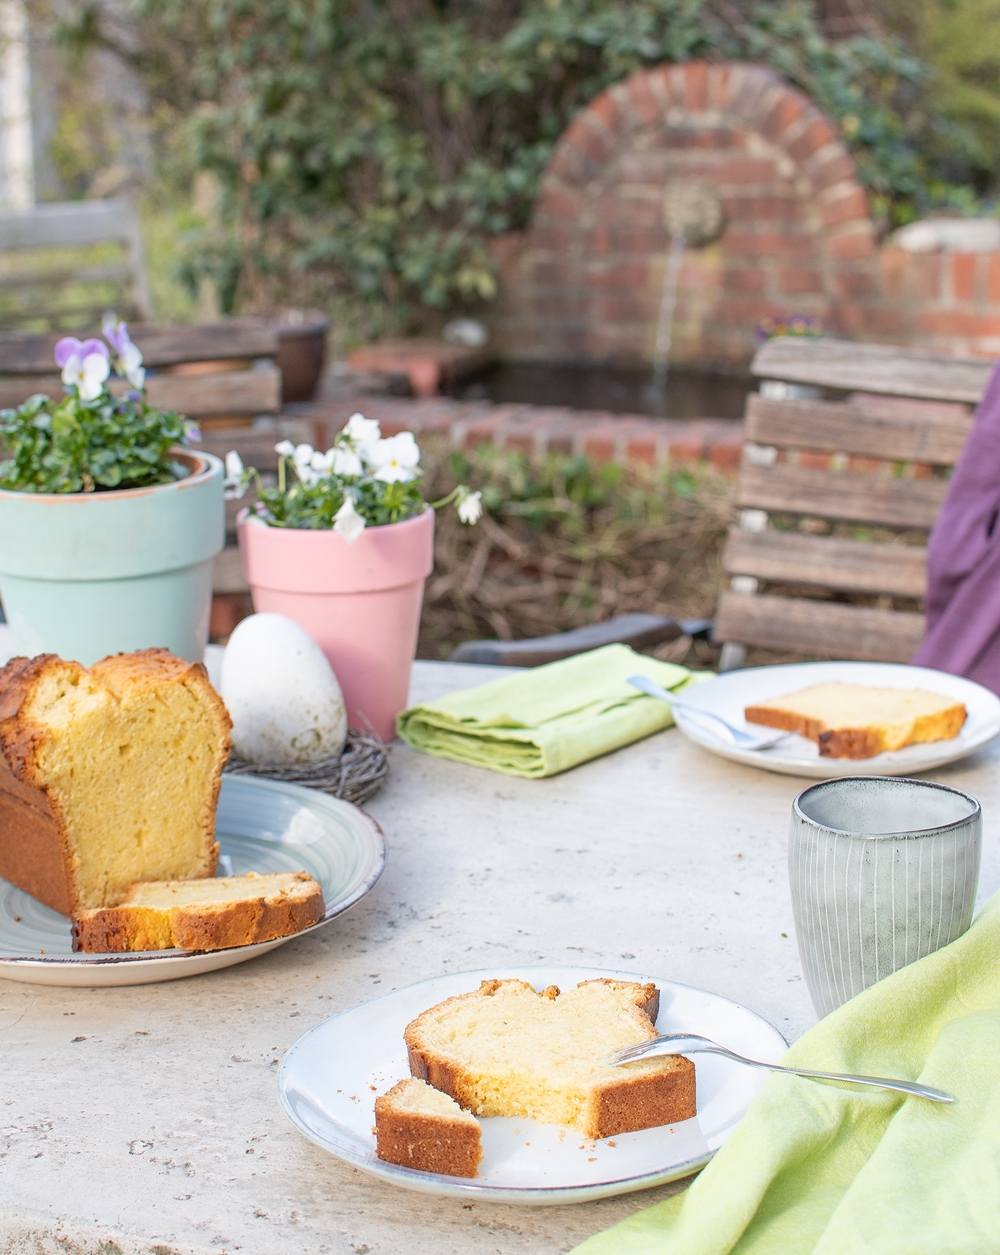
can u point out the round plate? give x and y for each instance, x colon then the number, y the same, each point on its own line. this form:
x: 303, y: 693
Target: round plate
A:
x: 330, y: 1078
x: 729, y: 694
x: 261, y: 826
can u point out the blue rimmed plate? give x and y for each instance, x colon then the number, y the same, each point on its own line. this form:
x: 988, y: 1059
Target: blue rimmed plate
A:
x: 261, y: 826
x: 329, y: 1080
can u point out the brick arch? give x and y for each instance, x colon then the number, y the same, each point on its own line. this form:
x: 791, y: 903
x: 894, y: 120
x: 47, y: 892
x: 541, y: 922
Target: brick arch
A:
x: 584, y: 280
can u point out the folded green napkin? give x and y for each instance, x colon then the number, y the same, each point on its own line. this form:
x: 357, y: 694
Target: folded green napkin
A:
x: 832, y: 1170
x: 545, y: 719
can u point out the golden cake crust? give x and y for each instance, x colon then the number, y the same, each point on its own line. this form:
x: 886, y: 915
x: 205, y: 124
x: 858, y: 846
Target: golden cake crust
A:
x: 823, y: 714
x: 429, y: 1141
x: 624, y: 1103
x: 35, y: 842
x: 265, y: 913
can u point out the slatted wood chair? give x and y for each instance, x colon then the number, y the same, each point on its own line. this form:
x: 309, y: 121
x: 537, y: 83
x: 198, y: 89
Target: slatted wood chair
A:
x: 62, y: 265
x: 836, y: 497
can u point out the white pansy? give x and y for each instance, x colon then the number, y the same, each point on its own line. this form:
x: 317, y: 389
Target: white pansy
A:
x: 395, y: 460
x: 303, y: 456
x: 348, y: 522
x: 362, y: 433
x: 321, y: 462
x: 285, y: 449
x: 346, y: 461
x: 88, y: 373
x: 132, y: 367
x: 234, y: 486
x: 470, y: 507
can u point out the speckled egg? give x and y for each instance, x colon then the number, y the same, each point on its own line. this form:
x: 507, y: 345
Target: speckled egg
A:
x: 281, y: 691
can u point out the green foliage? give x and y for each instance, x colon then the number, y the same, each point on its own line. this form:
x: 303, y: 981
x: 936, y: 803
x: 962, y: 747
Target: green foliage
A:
x: 87, y: 446
x: 361, y: 481
x: 960, y: 39
x: 539, y: 492
x: 567, y: 494
x: 376, y: 146
x: 315, y: 505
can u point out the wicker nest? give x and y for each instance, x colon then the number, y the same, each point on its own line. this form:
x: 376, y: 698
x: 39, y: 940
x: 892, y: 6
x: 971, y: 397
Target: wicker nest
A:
x: 355, y: 775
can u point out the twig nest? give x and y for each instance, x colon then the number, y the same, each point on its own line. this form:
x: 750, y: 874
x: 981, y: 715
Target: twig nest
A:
x: 281, y: 692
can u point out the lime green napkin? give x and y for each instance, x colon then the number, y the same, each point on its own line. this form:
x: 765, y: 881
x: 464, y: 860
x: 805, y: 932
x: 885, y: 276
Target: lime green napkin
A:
x: 545, y: 719
x: 829, y: 1170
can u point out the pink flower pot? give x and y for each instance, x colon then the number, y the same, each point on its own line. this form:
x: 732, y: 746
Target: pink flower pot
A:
x: 360, y: 603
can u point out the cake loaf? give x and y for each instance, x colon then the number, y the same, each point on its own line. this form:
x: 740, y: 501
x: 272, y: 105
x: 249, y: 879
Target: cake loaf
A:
x: 505, y: 1050
x: 855, y: 721
x: 108, y: 775
x: 419, y: 1127
x: 210, y: 914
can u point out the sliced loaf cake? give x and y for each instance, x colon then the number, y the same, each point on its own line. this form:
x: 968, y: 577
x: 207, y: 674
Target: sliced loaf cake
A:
x: 108, y: 775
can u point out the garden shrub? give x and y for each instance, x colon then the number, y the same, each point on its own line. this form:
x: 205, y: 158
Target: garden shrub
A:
x: 374, y: 147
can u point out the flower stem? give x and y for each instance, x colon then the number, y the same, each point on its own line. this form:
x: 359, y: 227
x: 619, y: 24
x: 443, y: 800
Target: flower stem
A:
x: 452, y: 496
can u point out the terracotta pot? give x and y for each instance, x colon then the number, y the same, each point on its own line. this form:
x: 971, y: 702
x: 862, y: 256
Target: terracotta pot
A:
x: 360, y: 603
x: 301, y: 349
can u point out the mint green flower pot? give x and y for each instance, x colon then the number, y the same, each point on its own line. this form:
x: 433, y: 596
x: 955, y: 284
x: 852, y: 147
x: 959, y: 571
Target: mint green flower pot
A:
x: 84, y: 575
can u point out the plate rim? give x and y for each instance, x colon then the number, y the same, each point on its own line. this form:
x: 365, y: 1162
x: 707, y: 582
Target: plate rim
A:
x: 337, y: 907
x: 828, y: 768
x: 449, y: 1186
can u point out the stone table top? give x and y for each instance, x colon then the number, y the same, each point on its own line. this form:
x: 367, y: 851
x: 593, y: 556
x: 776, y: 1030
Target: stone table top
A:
x: 146, y: 1120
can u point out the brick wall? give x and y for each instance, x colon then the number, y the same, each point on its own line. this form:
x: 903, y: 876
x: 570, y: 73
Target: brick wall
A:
x: 583, y: 282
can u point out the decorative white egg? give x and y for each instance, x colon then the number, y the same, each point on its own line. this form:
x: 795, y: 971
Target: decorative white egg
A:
x: 282, y: 694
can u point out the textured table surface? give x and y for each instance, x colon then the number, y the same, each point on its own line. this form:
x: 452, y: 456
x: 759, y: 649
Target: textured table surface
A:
x: 146, y: 1119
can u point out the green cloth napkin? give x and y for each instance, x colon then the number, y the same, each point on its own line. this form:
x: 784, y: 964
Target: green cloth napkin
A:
x: 545, y: 719
x: 825, y: 1169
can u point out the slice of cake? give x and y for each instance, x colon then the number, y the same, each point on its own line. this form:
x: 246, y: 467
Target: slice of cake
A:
x: 506, y: 1050
x: 108, y: 776
x: 419, y: 1127
x: 855, y: 721
x: 212, y: 914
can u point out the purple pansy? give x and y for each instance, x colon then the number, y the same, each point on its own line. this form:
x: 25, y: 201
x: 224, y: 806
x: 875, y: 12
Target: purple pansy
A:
x: 70, y: 346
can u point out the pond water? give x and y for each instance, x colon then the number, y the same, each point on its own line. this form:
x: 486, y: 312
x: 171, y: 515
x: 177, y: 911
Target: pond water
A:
x: 689, y: 394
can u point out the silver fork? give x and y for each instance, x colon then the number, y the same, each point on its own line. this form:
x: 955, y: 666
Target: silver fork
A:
x: 694, y: 1043
x: 745, y: 740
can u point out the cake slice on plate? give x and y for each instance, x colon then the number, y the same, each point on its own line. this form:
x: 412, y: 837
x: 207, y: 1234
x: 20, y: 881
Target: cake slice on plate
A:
x: 856, y: 721
x: 210, y: 914
x: 506, y: 1050
x: 417, y: 1126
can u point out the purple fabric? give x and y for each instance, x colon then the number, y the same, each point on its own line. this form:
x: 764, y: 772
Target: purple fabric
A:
x: 963, y: 558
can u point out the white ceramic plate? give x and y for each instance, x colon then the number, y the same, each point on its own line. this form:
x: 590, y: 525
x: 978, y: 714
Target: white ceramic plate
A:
x: 330, y: 1078
x: 261, y: 826
x: 729, y: 694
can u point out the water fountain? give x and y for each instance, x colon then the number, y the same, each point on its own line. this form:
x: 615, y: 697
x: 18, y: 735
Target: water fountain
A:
x: 692, y: 213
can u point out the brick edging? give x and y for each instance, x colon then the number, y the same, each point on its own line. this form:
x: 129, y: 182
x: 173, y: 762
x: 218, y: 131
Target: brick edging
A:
x: 627, y: 439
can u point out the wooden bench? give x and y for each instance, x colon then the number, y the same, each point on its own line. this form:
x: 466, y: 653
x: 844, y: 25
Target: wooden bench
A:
x: 63, y: 265
x: 836, y: 495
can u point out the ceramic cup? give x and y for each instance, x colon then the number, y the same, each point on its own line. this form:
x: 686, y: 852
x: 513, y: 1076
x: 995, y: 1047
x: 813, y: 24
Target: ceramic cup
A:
x: 883, y: 871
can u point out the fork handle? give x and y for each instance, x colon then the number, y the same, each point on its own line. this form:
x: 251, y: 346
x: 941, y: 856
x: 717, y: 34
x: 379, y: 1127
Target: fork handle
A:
x: 672, y: 699
x: 878, y: 1082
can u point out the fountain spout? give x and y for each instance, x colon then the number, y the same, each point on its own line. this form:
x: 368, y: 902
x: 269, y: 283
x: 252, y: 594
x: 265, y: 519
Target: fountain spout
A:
x: 693, y: 215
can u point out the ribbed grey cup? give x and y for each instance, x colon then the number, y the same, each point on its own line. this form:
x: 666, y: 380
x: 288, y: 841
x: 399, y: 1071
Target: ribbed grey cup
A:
x: 883, y: 871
